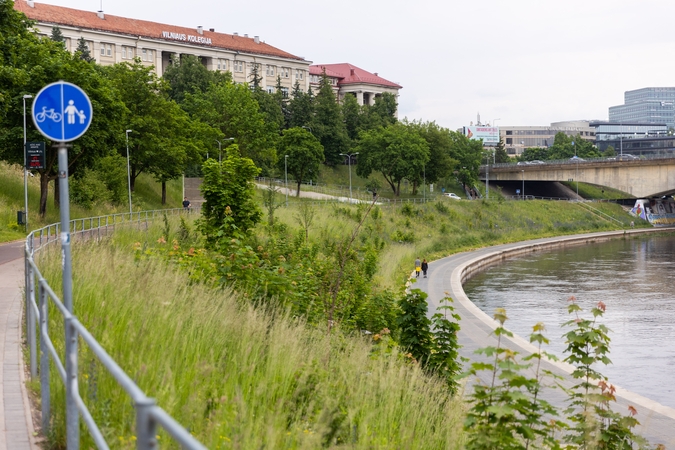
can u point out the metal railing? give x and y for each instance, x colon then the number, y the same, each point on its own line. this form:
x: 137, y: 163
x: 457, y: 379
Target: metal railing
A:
x: 148, y: 415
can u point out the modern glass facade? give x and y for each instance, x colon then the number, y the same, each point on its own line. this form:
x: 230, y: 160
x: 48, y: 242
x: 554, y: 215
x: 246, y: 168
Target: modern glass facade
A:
x: 639, y: 139
x: 647, y: 105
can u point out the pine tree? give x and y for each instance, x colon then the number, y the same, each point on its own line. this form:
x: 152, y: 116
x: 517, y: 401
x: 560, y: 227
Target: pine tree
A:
x: 500, y: 153
x: 57, y: 36
x: 83, y: 50
x: 328, y: 125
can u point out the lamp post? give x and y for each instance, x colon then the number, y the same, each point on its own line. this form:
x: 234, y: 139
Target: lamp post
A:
x: 523, y: 183
x: 25, y: 170
x: 220, y: 156
x: 286, y: 176
x: 349, y: 162
x: 310, y: 130
x: 129, y: 173
x: 487, y: 176
x: 424, y: 183
x: 577, y: 171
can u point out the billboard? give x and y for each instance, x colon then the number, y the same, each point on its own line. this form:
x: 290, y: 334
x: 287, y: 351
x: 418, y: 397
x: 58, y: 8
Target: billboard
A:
x: 489, y: 135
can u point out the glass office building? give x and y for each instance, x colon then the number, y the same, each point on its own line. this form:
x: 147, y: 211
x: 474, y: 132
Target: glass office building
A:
x: 654, y: 105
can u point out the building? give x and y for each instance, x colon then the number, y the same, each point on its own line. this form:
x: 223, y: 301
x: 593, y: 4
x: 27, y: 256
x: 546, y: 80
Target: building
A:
x: 638, y: 139
x: 113, y: 39
x: 349, y: 79
x: 655, y: 105
x: 517, y: 139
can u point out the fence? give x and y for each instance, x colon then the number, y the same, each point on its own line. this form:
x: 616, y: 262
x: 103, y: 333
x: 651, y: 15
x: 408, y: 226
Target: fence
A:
x: 148, y: 415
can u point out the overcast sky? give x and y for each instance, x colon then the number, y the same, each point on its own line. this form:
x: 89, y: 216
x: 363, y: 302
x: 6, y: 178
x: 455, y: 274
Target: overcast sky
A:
x: 524, y: 62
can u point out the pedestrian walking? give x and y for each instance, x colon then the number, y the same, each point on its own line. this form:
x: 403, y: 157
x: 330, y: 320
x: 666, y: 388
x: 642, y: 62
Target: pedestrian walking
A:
x: 418, y: 267
x: 425, y: 267
x: 186, y: 204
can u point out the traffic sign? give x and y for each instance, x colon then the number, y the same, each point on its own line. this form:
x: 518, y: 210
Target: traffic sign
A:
x: 62, y: 111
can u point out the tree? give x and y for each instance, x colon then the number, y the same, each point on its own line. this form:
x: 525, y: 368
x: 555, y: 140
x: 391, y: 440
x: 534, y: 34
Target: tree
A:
x: 83, y: 52
x: 305, y: 154
x: 231, y: 110
x: 327, y: 124
x: 229, y: 206
x: 609, y: 152
x: 565, y: 147
x: 351, y: 111
x: 27, y: 64
x: 396, y: 151
x: 440, y: 147
x: 57, y: 36
x: 188, y: 75
x: 501, y: 156
x: 162, y: 139
x: 380, y: 114
x: 469, y: 154
x: 300, y: 107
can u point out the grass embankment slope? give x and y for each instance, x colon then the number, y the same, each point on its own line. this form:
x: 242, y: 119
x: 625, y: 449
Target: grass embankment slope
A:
x: 148, y: 195
x: 241, y: 377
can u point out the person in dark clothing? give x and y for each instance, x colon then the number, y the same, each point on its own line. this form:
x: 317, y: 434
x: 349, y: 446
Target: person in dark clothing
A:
x: 425, y: 267
x: 186, y: 204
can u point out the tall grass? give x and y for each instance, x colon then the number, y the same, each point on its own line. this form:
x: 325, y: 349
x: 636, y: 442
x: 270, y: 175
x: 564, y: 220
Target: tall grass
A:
x: 236, y: 376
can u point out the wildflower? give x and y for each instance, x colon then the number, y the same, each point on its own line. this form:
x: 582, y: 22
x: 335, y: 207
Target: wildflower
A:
x: 161, y: 240
x: 376, y: 337
x: 260, y: 249
x: 601, y: 306
x: 385, y: 331
x: 572, y: 299
x: 632, y: 410
x: 191, y: 252
x: 281, y: 270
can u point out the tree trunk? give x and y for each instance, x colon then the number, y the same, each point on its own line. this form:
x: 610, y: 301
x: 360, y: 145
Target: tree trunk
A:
x: 398, y: 189
x: 57, y: 193
x: 297, y: 194
x: 414, y: 188
x: 44, y: 192
x: 163, y: 192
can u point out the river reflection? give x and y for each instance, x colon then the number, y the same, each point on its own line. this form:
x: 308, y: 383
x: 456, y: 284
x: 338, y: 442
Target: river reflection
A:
x: 634, y: 278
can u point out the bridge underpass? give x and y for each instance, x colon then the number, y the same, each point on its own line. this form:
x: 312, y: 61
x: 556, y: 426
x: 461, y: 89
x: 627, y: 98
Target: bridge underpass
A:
x: 639, y: 177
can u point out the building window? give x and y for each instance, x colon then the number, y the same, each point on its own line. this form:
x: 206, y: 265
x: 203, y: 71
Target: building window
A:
x: 270, y: 71
x: 284, y: 92
x: 221, y: 64
x: 239, y: 66
x: 270, y: 89
x: 66, y: 43
x: 127, y: 53
x: 106, y: 50
x: 298, y: 74
x: 285, y: 72
x: 146, y: 55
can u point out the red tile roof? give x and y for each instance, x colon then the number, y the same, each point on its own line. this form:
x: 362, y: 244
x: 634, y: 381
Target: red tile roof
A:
x: 350, y: 74
x: 59, y: 15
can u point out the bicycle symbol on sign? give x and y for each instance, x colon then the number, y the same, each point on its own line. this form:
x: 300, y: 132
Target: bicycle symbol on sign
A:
x: 48, y: 114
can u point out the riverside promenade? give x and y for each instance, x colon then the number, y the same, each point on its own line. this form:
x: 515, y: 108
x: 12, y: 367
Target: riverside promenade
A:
x: 16, y: 424
x: 657, y: 422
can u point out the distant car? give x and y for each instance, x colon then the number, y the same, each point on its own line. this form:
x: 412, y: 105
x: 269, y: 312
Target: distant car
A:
x: 576, y: 158
x: 523, y: 163
x: 626, y: 157
x: 536, y: 161
x: 451, y: 195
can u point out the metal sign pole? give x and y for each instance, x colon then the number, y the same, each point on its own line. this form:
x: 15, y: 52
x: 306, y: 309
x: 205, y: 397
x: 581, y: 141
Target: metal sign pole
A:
x: 72, y: 415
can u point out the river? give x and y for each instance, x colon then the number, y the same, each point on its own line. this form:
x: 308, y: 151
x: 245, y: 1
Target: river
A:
x: 634, y: 278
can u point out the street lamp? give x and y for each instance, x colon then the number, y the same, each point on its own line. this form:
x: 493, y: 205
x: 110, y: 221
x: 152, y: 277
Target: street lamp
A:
x: 286, y: 175
x: 523, y: 183
x: 487, y: 176
x: 129, y: 173
x: 577, y: 161
x: 349, y: 155
x: 25, y: 170
x: 310, y: 130
x: 220, y: 156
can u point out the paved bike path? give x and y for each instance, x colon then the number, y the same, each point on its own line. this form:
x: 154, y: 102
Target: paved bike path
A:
x: 16, y: 424
x: 657, y: 422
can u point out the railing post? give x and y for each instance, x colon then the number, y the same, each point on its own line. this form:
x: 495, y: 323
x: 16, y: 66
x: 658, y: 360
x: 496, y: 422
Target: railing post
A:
x: 26, y: 279
x: 30, y: 315
x: 146, y: 426
x: 72, y: 414
x: 44, y: 358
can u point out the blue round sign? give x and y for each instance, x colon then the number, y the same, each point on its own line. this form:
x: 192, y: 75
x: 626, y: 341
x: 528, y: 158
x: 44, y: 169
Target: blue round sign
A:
x: 62, y: 111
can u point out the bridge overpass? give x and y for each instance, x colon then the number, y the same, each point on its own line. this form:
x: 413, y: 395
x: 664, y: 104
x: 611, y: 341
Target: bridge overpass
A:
x: 648, y: 177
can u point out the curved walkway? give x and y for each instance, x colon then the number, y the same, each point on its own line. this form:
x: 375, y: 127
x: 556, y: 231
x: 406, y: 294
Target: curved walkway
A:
x: 445, y: 279
x: 16, y: 423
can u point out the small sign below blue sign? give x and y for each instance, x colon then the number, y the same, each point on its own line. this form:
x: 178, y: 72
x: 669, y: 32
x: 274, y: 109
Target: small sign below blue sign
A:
x: 62, y: 111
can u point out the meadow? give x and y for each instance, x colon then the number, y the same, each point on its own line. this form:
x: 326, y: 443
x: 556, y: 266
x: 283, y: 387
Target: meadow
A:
x: 245, y: 375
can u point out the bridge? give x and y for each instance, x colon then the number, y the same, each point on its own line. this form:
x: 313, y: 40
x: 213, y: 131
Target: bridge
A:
x: 644, y: 177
